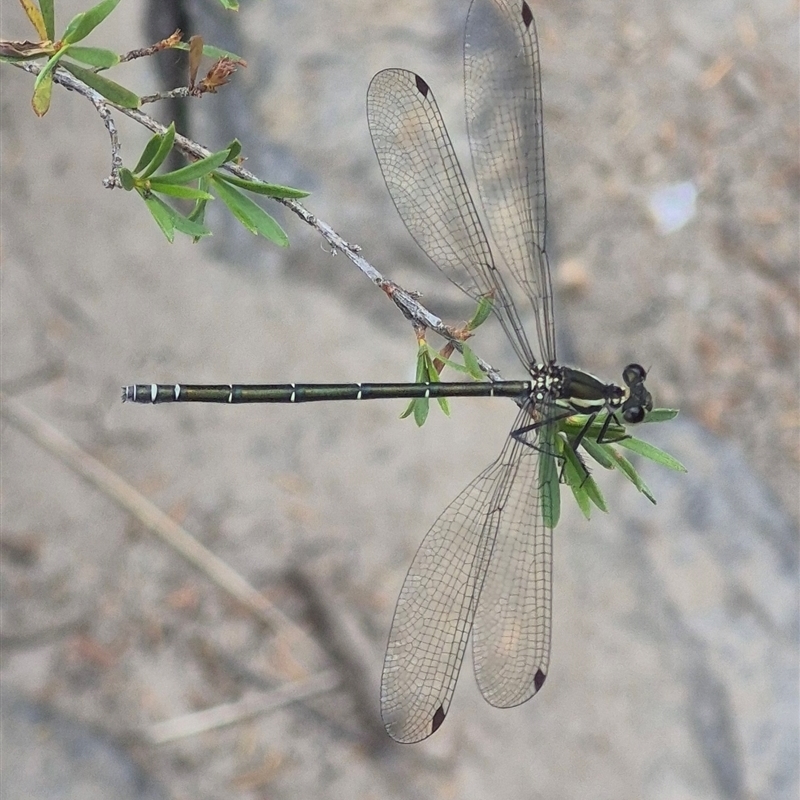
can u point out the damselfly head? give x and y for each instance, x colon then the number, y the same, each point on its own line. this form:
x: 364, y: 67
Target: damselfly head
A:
x: 639, y: 400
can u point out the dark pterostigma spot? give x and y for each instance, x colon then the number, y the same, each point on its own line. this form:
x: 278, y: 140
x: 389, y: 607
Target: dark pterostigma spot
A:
x: 527, y: 15
x: 438, y: 719
x: 422, y: 87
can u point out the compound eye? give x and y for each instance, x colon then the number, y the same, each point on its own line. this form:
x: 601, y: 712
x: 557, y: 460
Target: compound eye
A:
x: 633, y: 414
x: 633, y: 373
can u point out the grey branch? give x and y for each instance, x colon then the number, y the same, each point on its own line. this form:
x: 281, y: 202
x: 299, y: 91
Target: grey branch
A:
x: 406, y: 301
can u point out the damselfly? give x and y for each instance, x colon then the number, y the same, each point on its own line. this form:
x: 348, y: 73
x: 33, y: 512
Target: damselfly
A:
x: 485, y: 565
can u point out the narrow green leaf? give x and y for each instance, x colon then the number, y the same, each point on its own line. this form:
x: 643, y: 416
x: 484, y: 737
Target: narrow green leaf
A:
x: 653, y: 453
x: 437, y: 356
x: 420, y: 376
x: 629, y: 471
x: 231, y: 5
x: 126, y: 179
x: 189, y: 227
x: 583, y: 485
x: 198, y: 213
x: 94, y: 56
x: 251, y: 215
x: 42, y: 92
x: 582, y: 499
x: 195, y: 170
x: 259, y: 187
x: 84, y: 23
x: 149, y: 152
x: 184, y: 192
x: 49, y: 17
x: 421, y: 409
x: 485, y: 306
x: 162, y: 214
x: 163, y: 146
x: 170, y: 220
x: 661, y: 415
x: 574, y: 471
x: 594, y: 494
x: 550, y: 493
x: 72, y: 27
x: 234, y: 150
x: 471, y: 363
x: 431, y: 373
x: 444, y: 405
x: 574, y: 425
x: 599, y: 452
x: 48, y: 68
x: 112, y: 91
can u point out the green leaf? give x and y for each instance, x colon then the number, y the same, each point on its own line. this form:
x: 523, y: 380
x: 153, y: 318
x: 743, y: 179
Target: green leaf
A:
x: 575, y: 424
x: 661, y: 415
x: 169, y: 220
x: 184, y: 192
x: 595, y: 495
x: 420, y: 376
x: 189, y: 227
x: 84, y: 23
x: 583, y: 485
x: 234, y: 150
x: 198, y: 213
x: 550, y: 492
x: 42, y: 92
x: 195, y: 170
x: 119, y: 95
x: 430, y: 373
x: 231, y: 5
x: 653, y: 453
x: 127, y: 179
x: 43, y: 85
x: 421, y: 408
x: 471, y: 363
x: 259, y: 187
x: 485, y: 306
x: 582, y: 499
x: 48, y: 14
x: 601, y: 453
x: 94, y: 56
x: 251, y: 215
x: 628, y: 470
x: 160, y: 146
x: 149, y: 152
x: 162, y: 214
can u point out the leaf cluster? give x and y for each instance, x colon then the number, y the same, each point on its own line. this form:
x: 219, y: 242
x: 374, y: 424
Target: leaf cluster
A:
x: 201, y: 181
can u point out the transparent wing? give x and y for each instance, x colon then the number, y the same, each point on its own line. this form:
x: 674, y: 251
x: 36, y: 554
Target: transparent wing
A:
x: 511, y: 630
x: 504, y: 122
x: 428, y: 188
x: 437, y: 603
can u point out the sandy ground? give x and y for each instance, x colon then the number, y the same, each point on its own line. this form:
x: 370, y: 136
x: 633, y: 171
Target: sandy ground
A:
x: 675, y: 657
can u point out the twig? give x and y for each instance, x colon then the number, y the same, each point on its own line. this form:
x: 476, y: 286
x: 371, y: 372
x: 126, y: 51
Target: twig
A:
x: 406, y: 301
x: 345, y: 645
x: 144, y: 52
x: 172, y: 94
x: 250, y: 706
x: 98, y: 101
x: 155, y: 520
